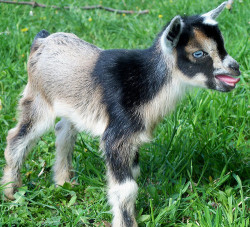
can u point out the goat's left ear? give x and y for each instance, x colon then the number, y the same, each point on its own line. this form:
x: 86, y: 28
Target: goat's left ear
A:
x: 213, y: 14
x: 173, y: 31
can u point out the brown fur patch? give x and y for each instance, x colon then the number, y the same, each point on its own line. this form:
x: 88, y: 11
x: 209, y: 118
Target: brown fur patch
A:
x: 201, y: 42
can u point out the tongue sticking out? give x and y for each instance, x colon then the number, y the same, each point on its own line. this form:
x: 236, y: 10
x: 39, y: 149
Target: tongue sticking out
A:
x: 228, y: 79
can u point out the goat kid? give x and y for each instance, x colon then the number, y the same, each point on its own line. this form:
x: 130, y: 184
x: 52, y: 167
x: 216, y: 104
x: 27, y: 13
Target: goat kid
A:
x: 119, y: 95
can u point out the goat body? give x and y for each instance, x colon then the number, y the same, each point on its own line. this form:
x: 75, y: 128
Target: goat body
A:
x: 119, y: 95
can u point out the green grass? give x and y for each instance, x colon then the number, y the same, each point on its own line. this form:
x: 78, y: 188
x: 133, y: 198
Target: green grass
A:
x: 196, y: 170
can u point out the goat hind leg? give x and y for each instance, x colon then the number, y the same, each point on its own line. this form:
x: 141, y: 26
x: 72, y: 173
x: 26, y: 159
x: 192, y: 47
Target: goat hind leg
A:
x: 65, y: 140
x: 33, y: 122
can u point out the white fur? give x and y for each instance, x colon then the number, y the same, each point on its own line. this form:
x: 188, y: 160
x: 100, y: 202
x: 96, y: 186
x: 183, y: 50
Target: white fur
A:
x: 23, y: 146
x: 163, y: 103
x: 209, y: 18
x: 122, y: 196
x: 16, y: 153
x: 166, y: 45
x: 213, y: 14
x: 199, y: 80
x: 222, y: 68
x: 228, y: 60
x: 84, y: 121
x: 209, y: 21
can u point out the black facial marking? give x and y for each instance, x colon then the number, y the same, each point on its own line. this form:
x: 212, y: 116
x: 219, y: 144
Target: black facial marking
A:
x: 203, y: 65
x: 213, y: 32
x: 235, y: 66
x: 211, y: 83
x: 189, y: 68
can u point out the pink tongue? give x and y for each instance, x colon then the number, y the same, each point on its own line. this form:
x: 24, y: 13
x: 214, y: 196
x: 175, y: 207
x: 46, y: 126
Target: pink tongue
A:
x: 228, y: 79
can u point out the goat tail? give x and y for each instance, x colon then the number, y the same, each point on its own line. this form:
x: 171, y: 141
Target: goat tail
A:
x: 40, y: 35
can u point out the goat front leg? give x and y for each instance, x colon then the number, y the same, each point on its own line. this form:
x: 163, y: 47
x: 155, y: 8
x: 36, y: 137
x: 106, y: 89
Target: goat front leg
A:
x: 123, y: 189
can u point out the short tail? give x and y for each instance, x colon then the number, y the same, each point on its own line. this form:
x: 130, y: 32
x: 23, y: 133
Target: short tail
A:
x: 40, y: 35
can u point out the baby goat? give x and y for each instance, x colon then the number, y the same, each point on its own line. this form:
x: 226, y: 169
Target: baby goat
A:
x: 119, y: 95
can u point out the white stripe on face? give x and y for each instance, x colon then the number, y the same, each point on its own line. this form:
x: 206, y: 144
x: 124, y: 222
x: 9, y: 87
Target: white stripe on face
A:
x: 228, y: 60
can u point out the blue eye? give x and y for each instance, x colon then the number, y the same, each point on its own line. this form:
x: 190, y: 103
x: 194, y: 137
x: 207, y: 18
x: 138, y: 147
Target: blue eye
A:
x: 198, y: 54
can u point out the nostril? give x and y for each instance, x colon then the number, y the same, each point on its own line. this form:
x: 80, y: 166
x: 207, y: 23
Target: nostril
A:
x: 234, y: 66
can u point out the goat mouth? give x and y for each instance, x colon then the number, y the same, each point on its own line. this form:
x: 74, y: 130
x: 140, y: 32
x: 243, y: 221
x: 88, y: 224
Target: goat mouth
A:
x: 229, y: 80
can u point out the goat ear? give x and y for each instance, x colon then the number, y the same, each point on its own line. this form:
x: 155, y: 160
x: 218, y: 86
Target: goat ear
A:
x: 173, y: 31
x: 213, y: 14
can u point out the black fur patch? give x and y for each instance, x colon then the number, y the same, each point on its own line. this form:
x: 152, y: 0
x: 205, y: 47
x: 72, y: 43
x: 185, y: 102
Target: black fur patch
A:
x: 42, y: 34
x: 136, y: 159
x: 119, y: 170
x: 117, y: 151
x: 24, y: 129
x: 127, y: 218
x: 130, y: 74
x: 128, y: 78
x: 131, y: 78
x: 204, y: 65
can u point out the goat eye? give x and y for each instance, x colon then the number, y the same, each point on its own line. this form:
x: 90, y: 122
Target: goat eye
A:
x: 199, y: 54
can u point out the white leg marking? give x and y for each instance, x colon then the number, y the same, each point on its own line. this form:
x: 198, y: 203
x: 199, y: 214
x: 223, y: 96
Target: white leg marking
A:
x: 122, y: 199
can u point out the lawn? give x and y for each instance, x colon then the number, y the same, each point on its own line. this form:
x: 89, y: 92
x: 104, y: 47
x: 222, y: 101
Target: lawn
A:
x: 195, y: 172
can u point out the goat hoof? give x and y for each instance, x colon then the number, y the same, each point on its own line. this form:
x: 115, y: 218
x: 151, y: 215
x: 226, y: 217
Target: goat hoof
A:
x: 9, y: 192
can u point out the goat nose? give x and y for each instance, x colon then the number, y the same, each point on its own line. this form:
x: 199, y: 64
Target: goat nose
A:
x: 234, y: 66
